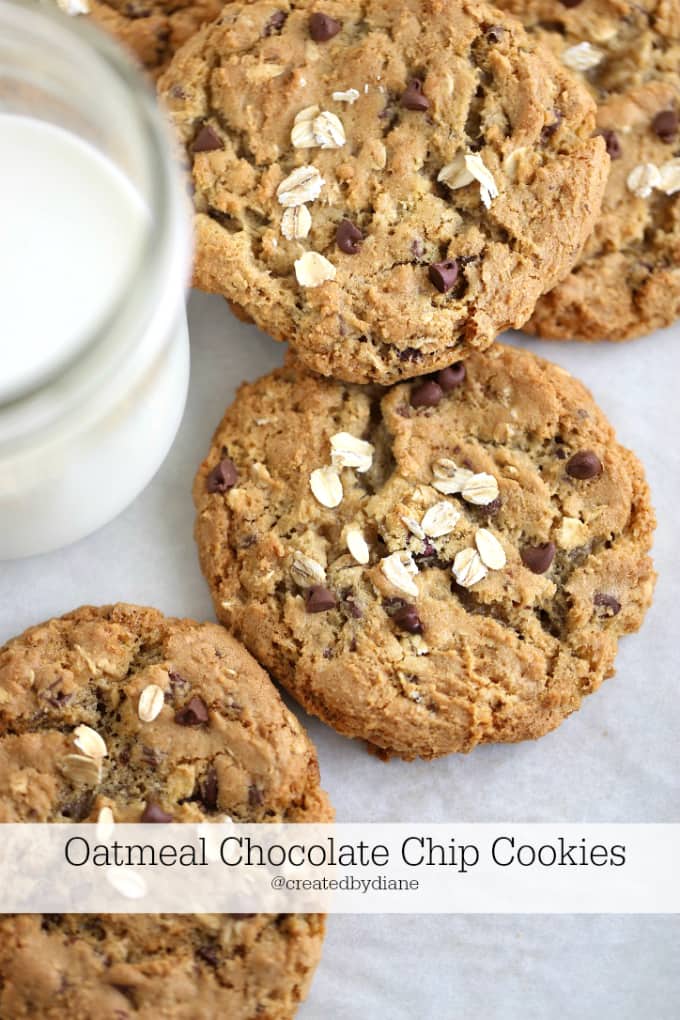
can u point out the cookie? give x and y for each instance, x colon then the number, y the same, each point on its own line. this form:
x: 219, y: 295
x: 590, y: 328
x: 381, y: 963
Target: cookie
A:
x: 433, y: 565
x: 628, y: 281
x: 194, y: 730
x: 386, y: 186
x: 152, y: 29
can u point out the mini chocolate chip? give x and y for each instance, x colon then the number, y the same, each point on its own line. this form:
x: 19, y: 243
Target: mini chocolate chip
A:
x: 571, y: 3
x: 407, y: 619
x: 428, y: 394
x: 410, y: 354
x: 154, y: 813
x: 206, y: 140
x: 490, y: 509
x: 538, y: 557
x: 443, y: 275
x: 222, y: 477
x: 584, y: 465
x: 208, y: 954
x: 178, y: 683
x: 549, y: 129
x: 275, y: 23
x: 79, y: 808
x: 348, y: 237
x: 608, y: 602
x: 414, y: 98
x: 322, y: 27
x: 319, y: 599
x: 612, y: 143
x: 452, y: 377
x: 209, y: 790
x: 665, y: 125
x: 255, y: 796
x: 194, y: 713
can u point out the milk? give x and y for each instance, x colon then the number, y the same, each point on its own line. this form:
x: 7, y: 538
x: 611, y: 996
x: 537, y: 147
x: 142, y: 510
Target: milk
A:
x: 94, y: 349
x: 71, y: 228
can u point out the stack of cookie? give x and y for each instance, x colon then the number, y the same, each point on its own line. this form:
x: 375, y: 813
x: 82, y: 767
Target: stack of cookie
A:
x: 431, y: 540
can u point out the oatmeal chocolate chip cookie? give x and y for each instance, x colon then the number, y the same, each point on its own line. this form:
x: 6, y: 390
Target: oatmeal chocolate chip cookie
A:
x: 380, y: 183
x: 192, y: 730
x: 628, y: 280
x: 151, y: 29
x: 431, y: 566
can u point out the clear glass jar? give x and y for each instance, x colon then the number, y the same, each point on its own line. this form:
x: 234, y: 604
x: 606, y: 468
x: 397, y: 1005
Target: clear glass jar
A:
x: 85, y: 419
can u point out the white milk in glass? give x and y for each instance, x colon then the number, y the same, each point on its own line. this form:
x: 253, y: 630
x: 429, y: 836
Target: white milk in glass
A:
x: 73, y: 243
x: 71, y: 227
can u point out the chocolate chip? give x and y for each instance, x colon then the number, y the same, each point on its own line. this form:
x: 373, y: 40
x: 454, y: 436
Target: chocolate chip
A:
x: 443, y: 275
x: 348, y: 238
x: 209, y: 790
x: 154, y: 813
x: 322, y: 27
x: 607, y: 602
x: 319, y: 599
x: 490, y: 510
x: 571, y: 3
x: 495, y: 33
x: 208, y: 954
x: 428, y: 394
x: 255, y: 796
x: 538, y: 557
x: 414, y: 98
x: 79, y: 808
x: 222, y: 477
x: 353, y: 609
x: 206, y: 140
x: 194, y: 713
x: 407, y: 619
x: 452, y: 377
x: 410, y: 354
x: 549, y: 129
x: 612, y: 143
x: 665, y: 125
x: 275, y: 23
x: 584, y: 465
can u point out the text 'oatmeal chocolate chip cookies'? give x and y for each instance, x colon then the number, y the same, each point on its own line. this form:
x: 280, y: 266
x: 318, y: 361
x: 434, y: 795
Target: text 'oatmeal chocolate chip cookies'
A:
x: 628, y: 281
x: 120, y: 715
x: 429, y: 577
x: 151, y: 30
x: 386, y: 196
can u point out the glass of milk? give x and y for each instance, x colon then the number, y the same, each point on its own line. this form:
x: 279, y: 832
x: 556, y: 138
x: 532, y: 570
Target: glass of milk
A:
x: 94, y: 259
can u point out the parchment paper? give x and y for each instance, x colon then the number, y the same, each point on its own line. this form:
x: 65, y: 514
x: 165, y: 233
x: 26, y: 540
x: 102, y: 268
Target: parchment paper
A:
x: 617, y: 759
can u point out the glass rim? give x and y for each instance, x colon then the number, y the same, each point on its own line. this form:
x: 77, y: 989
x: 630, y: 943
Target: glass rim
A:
x: 158, y: 274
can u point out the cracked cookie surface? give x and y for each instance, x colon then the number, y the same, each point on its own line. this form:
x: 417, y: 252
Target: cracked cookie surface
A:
x: 387, y: 186
x: 152, y: 30
x: 433, y: 565
x: 217, y: 741
x: 628, y: 281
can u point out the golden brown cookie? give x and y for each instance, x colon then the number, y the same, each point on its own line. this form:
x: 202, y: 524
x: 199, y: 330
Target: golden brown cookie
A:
x: 628, y: 280
x: 382, y: 184
x: 216, y: 740
x: 152, y: 29
x: 431, y: 566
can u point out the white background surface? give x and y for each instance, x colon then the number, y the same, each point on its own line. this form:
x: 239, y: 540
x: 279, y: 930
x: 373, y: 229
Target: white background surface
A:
x: 617, y: 759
